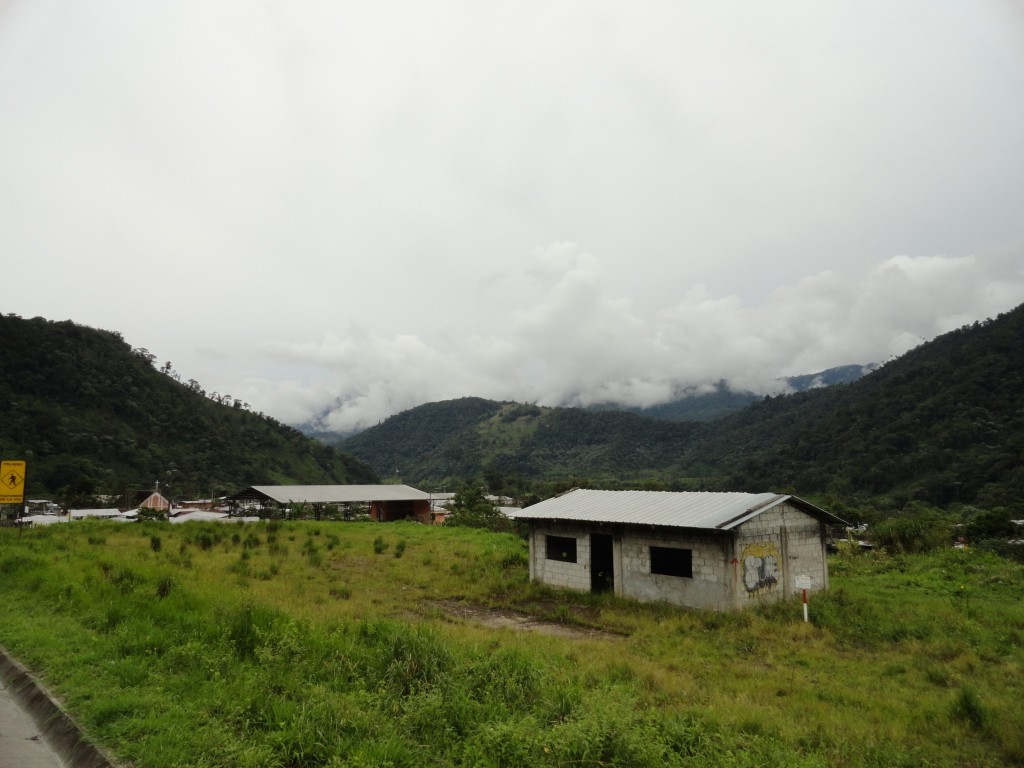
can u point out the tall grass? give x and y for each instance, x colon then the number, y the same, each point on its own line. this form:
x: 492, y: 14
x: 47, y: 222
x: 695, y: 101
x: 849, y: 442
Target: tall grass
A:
x: 336, y: 656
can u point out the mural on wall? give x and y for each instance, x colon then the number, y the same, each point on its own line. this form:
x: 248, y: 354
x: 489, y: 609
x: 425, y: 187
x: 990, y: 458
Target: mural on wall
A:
x: 760, y: 568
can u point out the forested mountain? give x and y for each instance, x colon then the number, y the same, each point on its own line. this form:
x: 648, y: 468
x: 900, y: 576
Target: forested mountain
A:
x: 723, y: 401
x: 92, y: 415
x: 446, y: 442
x: 942, y: 424
x: 702, y: 406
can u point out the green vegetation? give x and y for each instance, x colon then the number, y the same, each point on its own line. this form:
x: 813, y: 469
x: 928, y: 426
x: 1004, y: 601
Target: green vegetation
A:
x: 514, y: 445
x: 93, y: 416
x: 942, y: 425
x: 296, y: 644
x: 471, y: 508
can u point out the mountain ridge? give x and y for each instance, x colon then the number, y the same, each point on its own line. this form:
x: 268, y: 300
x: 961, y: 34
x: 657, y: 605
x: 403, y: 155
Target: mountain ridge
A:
x: 694, y: 404
x: 943, y: 423
x: 92, y: 415
x: 723, y: 400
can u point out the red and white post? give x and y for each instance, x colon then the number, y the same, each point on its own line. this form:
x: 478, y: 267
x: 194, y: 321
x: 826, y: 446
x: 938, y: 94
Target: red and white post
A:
x: 803, y: 583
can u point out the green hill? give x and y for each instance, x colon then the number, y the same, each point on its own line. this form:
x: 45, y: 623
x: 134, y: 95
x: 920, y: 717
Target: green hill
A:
x: 446, y: 442
x: 942, y: 424
x: 92, y: 415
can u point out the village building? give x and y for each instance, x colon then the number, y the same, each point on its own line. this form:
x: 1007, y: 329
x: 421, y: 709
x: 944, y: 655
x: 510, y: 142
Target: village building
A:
x: 189, y: 515
x: 116, y: 515
x: 721, y: 551
x: 153, y: 500
x: 383, y: 503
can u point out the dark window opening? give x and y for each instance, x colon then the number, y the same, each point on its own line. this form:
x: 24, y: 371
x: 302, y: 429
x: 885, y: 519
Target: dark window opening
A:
x: 669, y: 561
x: 562, y: 548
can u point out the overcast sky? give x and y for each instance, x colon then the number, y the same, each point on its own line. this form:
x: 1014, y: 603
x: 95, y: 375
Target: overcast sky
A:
x: 352, y: 208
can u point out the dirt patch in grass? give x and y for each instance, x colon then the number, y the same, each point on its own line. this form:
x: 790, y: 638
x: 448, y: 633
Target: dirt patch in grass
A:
x: 500, y: 618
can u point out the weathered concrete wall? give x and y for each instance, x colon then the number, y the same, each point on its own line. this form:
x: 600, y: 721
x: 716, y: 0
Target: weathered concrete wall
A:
x: 709, y: 587
x: 757, y: 562
x: 773, y: 549
x: 555, y: 572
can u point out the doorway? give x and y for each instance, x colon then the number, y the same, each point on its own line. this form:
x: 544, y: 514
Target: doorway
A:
x: 602, y: 563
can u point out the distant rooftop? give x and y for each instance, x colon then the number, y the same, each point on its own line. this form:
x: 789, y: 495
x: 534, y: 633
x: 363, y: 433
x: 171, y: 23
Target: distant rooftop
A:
x: 336, y: 494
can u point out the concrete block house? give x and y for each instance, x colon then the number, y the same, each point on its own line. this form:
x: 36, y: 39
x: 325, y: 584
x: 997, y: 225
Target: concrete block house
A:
x: 722, y: 551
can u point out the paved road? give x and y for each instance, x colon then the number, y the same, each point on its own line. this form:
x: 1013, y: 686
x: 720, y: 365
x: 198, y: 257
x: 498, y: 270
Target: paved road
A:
x: 21, y: 745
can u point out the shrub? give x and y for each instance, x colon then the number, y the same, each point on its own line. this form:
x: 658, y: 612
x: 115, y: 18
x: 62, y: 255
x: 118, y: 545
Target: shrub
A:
x: 246, y: 626
x: 122, y: 577
x: 379, y: 545
x: 918, y: 528
x: 163, y: 586
x: 470, y: 508
x: 412, y: 659
x: 312, y: 552
x: 968, y: 708
x: 341, y: 592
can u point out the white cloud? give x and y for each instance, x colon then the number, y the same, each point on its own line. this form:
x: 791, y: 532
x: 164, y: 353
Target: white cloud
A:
x: 578, y: 342
x: 306, y: 201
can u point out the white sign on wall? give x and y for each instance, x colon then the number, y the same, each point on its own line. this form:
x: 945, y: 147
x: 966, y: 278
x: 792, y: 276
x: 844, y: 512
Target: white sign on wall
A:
x: 803, y: 581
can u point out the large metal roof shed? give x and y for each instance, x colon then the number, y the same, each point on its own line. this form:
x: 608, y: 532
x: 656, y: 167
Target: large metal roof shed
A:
x: 386, y: 502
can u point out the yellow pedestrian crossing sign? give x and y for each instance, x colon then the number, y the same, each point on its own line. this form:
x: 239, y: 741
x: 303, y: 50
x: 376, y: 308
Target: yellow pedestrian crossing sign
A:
x: 12, y: 482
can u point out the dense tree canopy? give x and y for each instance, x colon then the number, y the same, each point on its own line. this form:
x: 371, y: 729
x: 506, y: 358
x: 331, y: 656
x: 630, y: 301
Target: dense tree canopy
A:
x: 92, y: 415
x: 944, y: 424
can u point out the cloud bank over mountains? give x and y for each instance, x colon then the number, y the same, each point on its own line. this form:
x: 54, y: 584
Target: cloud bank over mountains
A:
x: 555, y: 331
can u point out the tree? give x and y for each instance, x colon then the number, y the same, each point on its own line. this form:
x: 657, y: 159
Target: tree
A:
x: 471, y: 508
x: 991, y: 524
x: 145, y: 354
x: 917, y: 528
x: 151, y: 513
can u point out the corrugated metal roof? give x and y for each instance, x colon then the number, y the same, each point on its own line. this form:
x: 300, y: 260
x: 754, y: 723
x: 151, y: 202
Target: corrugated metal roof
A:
x: 197, y: 515
x: 695, y: 509
x: 334, y: 494
x: 95, y: 512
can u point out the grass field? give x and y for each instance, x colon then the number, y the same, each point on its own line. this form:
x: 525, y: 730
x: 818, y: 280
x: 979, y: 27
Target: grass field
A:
x: 335, y: 644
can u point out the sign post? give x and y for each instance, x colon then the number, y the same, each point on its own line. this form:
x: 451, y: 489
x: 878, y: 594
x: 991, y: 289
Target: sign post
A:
x: 12, y: 482
x: 12, y: 486
x: 803, y: 583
